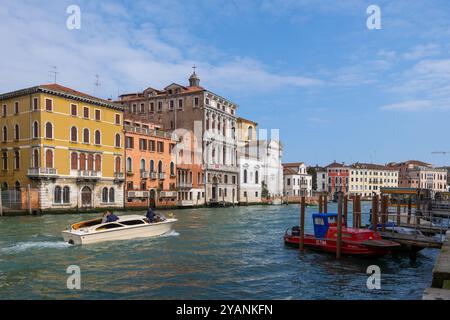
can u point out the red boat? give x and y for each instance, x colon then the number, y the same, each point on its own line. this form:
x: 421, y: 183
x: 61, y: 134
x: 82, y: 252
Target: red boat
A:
x: 359, y: 242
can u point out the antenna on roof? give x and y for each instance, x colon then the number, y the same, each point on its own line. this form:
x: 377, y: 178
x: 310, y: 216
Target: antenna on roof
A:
x: 96, y: 83
x: 55, y: 72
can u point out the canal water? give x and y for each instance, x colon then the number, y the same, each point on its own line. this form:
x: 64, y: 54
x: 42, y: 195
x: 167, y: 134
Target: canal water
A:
x: 223, y: 253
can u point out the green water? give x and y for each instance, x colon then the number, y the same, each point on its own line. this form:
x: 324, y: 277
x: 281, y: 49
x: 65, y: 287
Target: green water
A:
x: 223, y: 253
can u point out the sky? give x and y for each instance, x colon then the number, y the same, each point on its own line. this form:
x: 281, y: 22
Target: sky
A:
x: 310, y: 68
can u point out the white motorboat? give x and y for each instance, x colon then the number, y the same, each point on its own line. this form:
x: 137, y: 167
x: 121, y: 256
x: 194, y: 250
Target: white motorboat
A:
x: 127, y: 227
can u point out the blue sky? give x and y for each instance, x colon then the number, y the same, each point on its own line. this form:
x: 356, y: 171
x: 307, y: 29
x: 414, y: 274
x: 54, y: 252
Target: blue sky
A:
x: 336, y: 90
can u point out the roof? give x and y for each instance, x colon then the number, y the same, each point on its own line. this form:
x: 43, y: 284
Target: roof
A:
x: 59, y: 90
x: 371, y: 166
x: 336, y: 165
x: 240, y: 119
x: 293, y: 164
x: 413, y: 162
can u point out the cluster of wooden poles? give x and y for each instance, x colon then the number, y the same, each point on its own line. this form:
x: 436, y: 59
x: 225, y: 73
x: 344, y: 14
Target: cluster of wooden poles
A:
x: 357, y: 214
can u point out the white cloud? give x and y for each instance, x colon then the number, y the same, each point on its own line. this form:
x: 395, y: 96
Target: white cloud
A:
x: 129, y: 54
x: 412, y: 105
x: 423, y: 51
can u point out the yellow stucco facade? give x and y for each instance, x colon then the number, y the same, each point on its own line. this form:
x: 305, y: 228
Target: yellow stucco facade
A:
x: 55, y: 136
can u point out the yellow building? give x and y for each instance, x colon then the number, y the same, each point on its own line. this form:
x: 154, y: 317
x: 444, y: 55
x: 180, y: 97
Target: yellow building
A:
x: 64, y: 143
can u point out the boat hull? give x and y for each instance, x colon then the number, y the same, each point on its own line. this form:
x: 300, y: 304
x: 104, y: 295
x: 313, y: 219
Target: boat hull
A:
x: 330, y: 245
x: 126, y: 233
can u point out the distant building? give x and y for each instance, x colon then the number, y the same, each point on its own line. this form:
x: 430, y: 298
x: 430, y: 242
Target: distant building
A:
x: 338, y: 178
x: 319, y: 178
x: 367, y: 179
x: 271, y: 154
x: 296, y: 180
x: 418, y: 174
x: 250, y: 165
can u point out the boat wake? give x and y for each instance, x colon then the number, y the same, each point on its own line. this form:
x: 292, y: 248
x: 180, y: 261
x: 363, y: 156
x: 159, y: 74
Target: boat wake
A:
x: 172, y: 233
x: 24, y: 246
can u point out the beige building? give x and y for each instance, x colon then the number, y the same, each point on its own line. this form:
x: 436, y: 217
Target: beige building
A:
x: 250, y: 165
x: 434, y: 179
x: 367, y: 179
x: 296, y: 180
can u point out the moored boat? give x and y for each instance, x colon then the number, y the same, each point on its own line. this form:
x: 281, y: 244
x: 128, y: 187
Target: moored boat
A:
x: 125, y: 228
x: 359, y: 242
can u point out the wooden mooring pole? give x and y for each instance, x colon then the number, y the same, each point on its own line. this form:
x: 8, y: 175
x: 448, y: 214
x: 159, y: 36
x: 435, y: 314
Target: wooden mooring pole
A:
x: 358, y: 212
x: 345, y: 210
x: 384, y: 211
x: 398, y: 213
x: 339, y: 228
x: 409, y: 211
x: 375, y: 212
x: 320, y: 204
x: 325, y: 204
x: 302, y: 225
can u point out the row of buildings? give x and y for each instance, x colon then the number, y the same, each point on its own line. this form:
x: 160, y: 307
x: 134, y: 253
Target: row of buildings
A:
x: 177, y: 146
x: 364, y: 179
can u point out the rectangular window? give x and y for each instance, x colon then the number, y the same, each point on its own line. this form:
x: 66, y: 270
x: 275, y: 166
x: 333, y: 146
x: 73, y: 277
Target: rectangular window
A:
x: 73, y: 110
x: 86, y: 112
x: 129, y: 143
x: 97, y: 115
x: 16, y: 107
x: 196, y: 102
x: 142, y: 144
x: 118, y: 119
x: 151, y: 145
x: 159, y: 106
x: 35, y: 104
x: 152, y: 107
x: 4, y: 110
x: 171, y: 105
x: 48, y: 104
x: 142, y: 108
x: 180, y: 104
x: 160, y: 146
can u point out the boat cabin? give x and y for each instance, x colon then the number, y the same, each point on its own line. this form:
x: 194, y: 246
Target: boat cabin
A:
x: 322, y: 222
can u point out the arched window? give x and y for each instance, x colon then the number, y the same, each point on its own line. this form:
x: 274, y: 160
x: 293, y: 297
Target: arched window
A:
x: 118, y: 165
x: 97, y: 137
x: 86, y: 135
x: 57, y: 195
x: 250, y: 133
x: 152, y: 166
x: 160, y: 166
x: 49, y: 130
x: 5, y: 160
x: 35, y: 130
x: 172, y: 169
x: 245, y: 176
x: 49, y: 158
x: 118, y: 142
x: 90, y: 162
x: 98, y: 163
x: 74, y: 134
x: 74, y: 161
x: 16, y: 132
x: 112, y: 196
x: 5, y: 134
x: 105, y: 195
x: 142, y: 165
x: 16, y: 160
x: 66, y: 194
x: 129, y: 164
x: 82, y: 161
x: 5, y: 186
x: 35, y: 158
x: 256, y: 177
x: 17, y: 185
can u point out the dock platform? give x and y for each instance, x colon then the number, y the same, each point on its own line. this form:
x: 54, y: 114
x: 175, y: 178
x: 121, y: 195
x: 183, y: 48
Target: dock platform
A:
x: 441, y: 274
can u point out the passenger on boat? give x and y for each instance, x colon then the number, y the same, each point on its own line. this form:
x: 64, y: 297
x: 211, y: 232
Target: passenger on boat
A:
x: 150, y: 215
x: 110, y: 217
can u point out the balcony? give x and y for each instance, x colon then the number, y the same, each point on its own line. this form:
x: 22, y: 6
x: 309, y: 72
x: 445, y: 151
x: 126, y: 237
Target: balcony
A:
x: 89, y: 174
x: 185, y: 185
x: 168, y: 194
x: 42, y: 172
x: 119, y: 176
x: 161, y: 175
x: 145, y: 174
x: 153, y: 175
